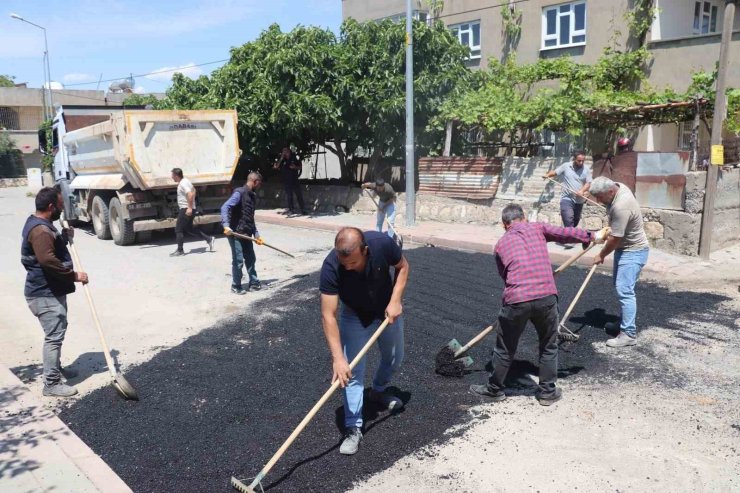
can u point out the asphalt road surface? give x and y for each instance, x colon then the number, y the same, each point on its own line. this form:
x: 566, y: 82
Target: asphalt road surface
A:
x: 221, y: 402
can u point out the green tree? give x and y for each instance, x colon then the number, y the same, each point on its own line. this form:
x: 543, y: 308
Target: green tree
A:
x: 142, y: 100
x: 7, y: 81
x: 370, y: 85
x: 11, y: 160
x: 308, y: 87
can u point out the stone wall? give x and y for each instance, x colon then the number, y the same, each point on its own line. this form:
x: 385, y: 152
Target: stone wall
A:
x: 13, y: 182
x: 669, y: 230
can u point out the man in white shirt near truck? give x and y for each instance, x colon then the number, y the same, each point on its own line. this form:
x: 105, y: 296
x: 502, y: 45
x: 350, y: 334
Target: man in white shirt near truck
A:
x: 186, y: 213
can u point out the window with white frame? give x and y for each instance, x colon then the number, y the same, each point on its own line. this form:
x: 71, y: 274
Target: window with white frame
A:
x: 468, y: 33
x: 705, y: 17
x: 564, y: 25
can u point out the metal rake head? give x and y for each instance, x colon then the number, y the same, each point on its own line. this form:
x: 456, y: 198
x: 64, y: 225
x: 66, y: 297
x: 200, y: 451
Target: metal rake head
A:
x: 239, y: 485
x: 565, y: 334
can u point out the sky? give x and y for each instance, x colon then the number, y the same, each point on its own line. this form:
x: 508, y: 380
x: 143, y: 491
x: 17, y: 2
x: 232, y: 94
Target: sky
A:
x: 117, y: 38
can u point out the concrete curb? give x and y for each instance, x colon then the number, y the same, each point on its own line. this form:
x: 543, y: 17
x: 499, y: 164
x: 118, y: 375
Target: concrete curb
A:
x: 43, y: 454
x: 316, y: 223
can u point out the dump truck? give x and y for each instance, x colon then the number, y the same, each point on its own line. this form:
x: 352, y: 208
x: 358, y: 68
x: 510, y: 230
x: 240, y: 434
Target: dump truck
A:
x: 114, y: 166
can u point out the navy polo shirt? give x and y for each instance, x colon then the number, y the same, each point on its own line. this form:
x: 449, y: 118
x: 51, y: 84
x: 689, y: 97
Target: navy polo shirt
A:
x: 369, y: 292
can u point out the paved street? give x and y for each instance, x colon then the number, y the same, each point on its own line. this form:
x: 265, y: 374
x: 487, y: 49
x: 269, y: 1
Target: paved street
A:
x: 224, y: 379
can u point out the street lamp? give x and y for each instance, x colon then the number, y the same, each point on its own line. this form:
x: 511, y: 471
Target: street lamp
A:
x: 48, y: 103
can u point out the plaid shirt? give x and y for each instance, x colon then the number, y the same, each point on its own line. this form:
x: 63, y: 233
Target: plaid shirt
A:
x: 524, y: 263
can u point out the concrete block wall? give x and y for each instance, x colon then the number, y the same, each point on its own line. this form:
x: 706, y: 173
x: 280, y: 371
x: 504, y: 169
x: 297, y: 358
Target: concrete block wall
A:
x: 669, y: 230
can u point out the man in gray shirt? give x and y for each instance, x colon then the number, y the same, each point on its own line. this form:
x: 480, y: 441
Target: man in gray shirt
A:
x: 575, y: 177
x: 386, y: 204
x: 630, y: 246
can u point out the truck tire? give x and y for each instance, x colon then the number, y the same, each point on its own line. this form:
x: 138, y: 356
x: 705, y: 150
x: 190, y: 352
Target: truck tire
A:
x: 100, y: 218
x: 121, y: 229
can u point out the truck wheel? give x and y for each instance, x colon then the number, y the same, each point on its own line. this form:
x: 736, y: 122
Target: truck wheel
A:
x: 121, y: 229
x: 100, y: 218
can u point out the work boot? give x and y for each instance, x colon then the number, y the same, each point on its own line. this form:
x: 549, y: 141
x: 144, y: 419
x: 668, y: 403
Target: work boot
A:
x: 351, y: 442
x: 177, y: 253
x: 238, y: 290
x: 255, y: 286
x: 385, y: 400
x: 210, y: 241
x: 497, y: 396
x: 621, y: 340
x: 550, y: 399
x: 59, y: 389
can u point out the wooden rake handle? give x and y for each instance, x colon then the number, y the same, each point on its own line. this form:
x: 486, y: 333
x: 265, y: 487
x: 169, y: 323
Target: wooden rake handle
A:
x: 578, y: 295
x: 576, y: 193
x: 572, y: 259
x: 475, y: 340
x: 250, y: 238
x: 316, y: 407
x: 93, y: 311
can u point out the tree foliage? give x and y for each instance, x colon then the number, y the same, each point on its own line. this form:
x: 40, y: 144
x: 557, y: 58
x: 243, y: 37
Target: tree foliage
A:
x: 11, y: 160
x: 308, y: 86
x: 7, y: 81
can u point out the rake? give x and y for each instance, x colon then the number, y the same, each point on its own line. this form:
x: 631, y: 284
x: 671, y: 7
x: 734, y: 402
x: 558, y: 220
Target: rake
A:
x: 257, y: 481
x: 451, y: 360
x: 564, y: 333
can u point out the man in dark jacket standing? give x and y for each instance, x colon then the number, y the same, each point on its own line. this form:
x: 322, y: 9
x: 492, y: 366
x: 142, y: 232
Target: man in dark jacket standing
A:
x: 49, y: 279
x: 290, y: 170
x: 237, y: 215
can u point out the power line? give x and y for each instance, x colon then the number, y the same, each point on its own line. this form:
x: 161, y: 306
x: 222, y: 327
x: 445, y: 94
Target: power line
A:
x: 179, y: 69
x: 506, y: 4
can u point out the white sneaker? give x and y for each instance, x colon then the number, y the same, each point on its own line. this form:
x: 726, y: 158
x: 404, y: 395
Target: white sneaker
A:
x: 351, y: 443
x: 621, y: 340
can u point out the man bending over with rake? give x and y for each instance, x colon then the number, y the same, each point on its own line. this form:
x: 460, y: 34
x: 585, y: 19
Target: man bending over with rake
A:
x: 358, y: 272
x: 529, y: 295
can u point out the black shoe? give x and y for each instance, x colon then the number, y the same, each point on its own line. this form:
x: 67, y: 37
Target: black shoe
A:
x: 550, y: 399
x: 239, y: 290
x: 256, y: 286
x: 177, y: 253
x: 483, y: 390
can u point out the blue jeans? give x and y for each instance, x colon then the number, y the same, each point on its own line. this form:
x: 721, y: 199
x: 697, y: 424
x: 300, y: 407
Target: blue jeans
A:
x: 383, y: 210
x: 570, y: 213
x: 354, y: 336
x: 627, y: 268
x: 242, y: 253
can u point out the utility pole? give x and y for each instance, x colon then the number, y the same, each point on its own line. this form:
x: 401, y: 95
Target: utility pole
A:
x: 410, y: 174
x: 48, y: 96
x: 720, y: 112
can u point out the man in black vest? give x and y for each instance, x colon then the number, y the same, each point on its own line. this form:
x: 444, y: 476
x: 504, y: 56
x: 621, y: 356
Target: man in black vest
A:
x: 49, y: 279
x: 358, y: 272
x: 290, y: 169
x: 237, y: 215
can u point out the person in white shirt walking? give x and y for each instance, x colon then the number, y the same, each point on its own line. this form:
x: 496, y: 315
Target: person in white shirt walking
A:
x: 186, y: 213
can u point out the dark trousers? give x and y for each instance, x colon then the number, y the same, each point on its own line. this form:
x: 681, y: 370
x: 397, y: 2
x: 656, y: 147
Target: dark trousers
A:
x: 184, y: 225
x: 543, y: 313
x: 570, y: 213
x: 290, y: 185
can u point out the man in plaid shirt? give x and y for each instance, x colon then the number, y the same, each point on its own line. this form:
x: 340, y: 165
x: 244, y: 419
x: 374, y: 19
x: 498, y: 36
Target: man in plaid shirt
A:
x: 529, y: 294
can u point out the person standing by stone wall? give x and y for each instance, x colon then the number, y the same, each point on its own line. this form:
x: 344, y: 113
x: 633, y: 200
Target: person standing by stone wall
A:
x: 575, y: 177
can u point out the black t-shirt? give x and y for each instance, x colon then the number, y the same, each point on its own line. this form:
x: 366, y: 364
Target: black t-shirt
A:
x: 369, y: 292
x: 285, y: 167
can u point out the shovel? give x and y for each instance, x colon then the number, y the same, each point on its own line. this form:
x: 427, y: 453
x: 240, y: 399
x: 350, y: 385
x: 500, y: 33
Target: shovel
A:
x: 250, y: 238
x: 451, y: 360
x: 564, y: 333
x: 119, y: 382
x: 239, y: 485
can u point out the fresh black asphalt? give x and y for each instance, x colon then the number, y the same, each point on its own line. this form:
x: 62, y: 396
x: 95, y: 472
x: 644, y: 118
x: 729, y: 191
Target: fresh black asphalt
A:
x: 222, y: 402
